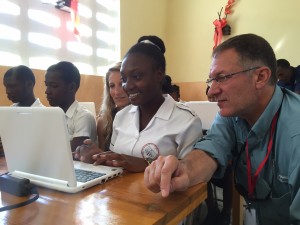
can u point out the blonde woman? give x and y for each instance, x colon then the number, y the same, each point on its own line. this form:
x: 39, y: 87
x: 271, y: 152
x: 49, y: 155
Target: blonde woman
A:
x: 114, y: 99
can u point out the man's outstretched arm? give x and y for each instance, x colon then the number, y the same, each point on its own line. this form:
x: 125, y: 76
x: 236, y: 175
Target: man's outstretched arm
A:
x: 168, y: 174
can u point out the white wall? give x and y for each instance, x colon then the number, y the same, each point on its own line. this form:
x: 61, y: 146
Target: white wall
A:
x: 190, y: 31
x: 142, y: 17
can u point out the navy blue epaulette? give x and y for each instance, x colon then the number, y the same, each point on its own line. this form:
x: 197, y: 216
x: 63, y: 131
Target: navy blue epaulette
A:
x: 181, y: 105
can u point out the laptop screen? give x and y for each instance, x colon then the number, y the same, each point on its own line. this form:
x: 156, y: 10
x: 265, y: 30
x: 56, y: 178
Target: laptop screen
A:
x: 35, y: 141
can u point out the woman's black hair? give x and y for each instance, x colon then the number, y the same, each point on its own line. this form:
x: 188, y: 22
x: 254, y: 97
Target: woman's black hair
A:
x: 153, y: 47
x: 154, y: 39
x: 167, y: 85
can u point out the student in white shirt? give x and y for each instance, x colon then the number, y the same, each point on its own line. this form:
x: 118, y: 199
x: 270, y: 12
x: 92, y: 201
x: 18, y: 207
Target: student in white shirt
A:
x: 19, y: 83
x: 62, y: 81
x: 154, y: 124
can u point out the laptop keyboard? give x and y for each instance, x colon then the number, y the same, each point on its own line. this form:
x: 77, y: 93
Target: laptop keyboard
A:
x: 85, y: 175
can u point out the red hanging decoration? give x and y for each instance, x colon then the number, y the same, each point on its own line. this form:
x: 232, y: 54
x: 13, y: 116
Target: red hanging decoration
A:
x: 221, y: 26
x: 74, y: 16
x: 228, y: 7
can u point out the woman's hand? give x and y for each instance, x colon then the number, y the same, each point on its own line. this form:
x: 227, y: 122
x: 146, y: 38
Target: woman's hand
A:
x: 86, y: 151
x: 130, y: 163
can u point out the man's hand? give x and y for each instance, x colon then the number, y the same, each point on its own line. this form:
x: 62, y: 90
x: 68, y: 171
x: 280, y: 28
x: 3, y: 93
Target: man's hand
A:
x: 166, y: 174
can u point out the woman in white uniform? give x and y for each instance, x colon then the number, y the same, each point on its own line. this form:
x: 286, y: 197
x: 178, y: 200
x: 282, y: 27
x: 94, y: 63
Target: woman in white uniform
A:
x: 154, y: 124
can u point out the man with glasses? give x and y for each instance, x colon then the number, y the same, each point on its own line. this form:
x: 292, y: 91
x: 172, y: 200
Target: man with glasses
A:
x: 257, y: 128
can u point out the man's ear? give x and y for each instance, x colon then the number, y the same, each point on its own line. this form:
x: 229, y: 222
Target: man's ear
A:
x: 263, y: 76
x: 72, y: 86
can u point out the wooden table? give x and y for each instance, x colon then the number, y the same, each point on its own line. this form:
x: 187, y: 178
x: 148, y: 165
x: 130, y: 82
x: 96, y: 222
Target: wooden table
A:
x: 122, y: 200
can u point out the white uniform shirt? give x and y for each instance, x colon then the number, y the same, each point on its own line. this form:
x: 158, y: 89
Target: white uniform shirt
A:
x: 37, y: 103
x: 174, y: 129
x: 81, y: 122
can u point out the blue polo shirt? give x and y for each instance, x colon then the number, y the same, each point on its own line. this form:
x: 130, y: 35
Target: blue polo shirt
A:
x: 227, y: 136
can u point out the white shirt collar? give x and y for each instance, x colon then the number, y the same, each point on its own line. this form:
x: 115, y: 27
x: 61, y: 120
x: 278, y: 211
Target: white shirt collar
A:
x: 165, y: 110
x: 71, y: 110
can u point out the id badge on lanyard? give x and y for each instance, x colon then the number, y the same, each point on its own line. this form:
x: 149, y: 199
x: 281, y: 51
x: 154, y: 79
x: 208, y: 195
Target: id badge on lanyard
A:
x: 249, y: 215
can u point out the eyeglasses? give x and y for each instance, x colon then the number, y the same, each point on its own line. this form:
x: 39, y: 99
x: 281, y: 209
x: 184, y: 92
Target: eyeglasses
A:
x: 223, y: 78
x: 265, y: 190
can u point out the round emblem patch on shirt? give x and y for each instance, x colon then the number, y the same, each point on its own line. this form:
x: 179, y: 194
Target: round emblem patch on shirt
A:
x: 150, y: 152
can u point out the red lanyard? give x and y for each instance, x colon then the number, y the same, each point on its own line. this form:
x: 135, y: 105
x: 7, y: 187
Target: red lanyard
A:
x: 253, y: 179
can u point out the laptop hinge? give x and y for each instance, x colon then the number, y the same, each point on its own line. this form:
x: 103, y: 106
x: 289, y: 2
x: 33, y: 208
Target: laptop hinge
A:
x: 40, y: 179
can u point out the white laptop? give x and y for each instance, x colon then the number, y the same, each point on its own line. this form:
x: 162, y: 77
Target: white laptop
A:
x: 36, y: 146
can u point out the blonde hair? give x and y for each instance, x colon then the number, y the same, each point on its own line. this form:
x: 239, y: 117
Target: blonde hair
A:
x: 108, y: 104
